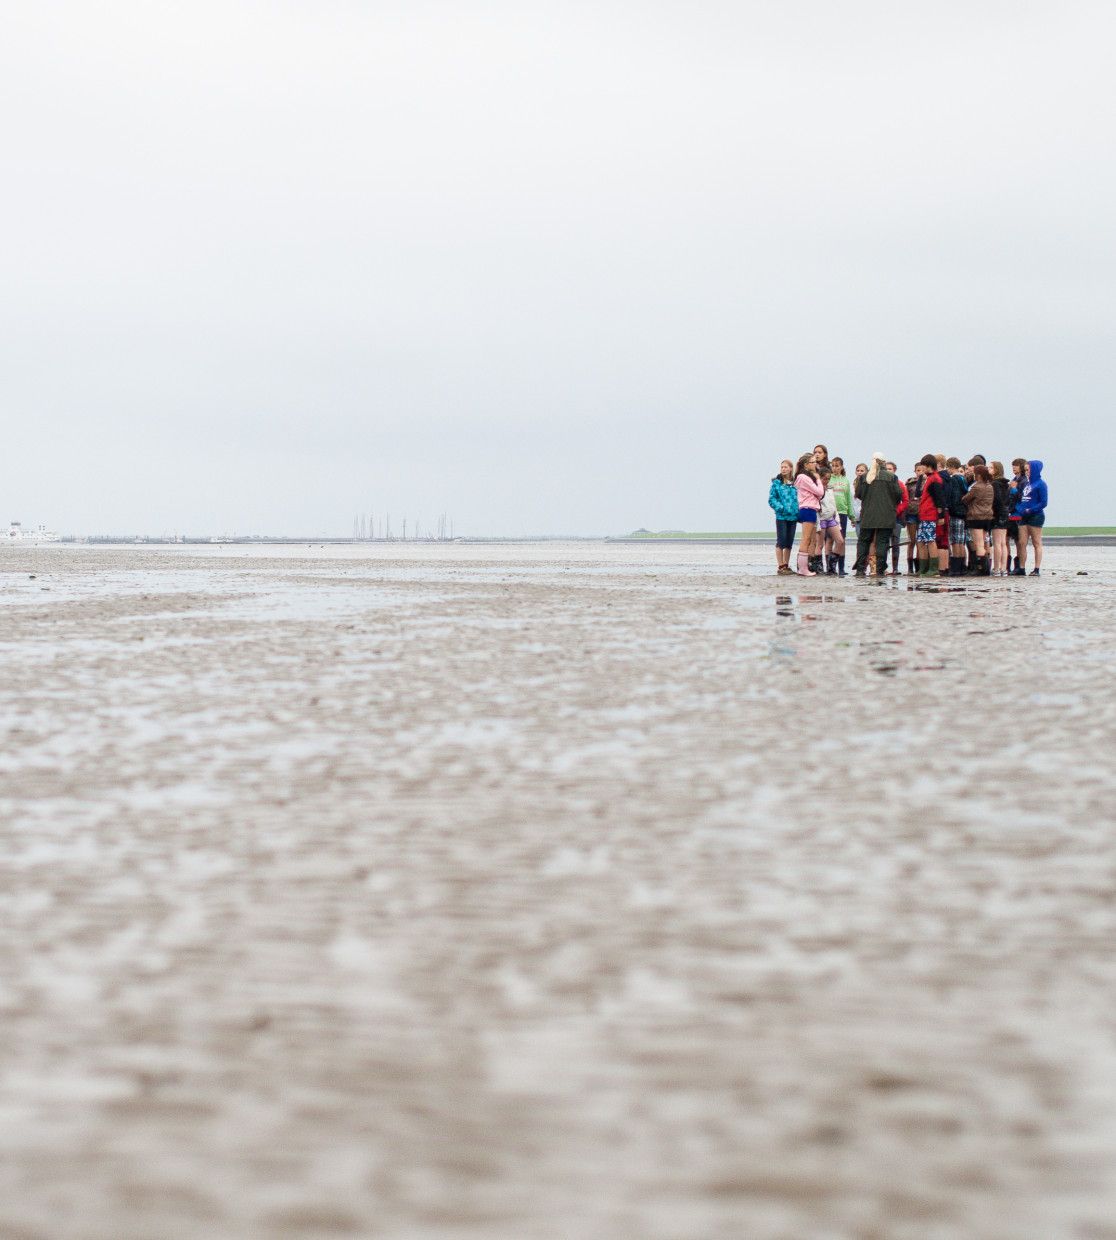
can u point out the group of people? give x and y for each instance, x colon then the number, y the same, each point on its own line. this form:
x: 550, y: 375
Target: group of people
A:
x: 959, y: 519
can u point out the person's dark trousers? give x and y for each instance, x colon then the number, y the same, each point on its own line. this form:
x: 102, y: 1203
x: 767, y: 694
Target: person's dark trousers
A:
x: 883, y: 541
x: 864, y: 539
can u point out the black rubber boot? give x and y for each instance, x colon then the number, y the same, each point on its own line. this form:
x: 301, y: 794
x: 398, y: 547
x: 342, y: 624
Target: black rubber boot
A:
x: 986, y: 566
x: 840, y: 566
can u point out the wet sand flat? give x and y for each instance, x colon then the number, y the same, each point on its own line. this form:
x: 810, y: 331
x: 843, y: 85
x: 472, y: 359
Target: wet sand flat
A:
x: 553, y: 892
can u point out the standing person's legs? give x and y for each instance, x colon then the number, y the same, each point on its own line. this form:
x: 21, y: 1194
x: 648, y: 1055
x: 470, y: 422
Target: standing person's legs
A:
x: 941, y: 531
x: 1021, y: 541
x: 806, y: 546
x: 999, y: 550
x: 896, y: 547
x: 784, y: 542
x: 883, y: 540
x: 1015, y: 533
x: 839, y: 548
x: 1035, y: 532
x: 863, y: 548
x: 956, y: 545
x: 927, y: 550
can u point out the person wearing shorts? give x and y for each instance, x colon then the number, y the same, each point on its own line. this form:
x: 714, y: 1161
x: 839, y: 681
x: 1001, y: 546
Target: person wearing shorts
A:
x: 1000, y: 506
x: 932, y: 527
x: 830, y: 540
x: 979, y: 503
x: 1015, y: 495
x: 810, y: 490
x: 1032, y: 516
x: 958, y: 535
x: 914, y: 494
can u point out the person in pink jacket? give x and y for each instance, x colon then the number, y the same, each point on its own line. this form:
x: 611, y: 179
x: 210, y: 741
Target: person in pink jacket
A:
x: 810, y: 490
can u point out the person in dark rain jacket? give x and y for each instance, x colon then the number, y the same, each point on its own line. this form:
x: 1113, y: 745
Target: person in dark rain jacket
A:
x: 880, y: 496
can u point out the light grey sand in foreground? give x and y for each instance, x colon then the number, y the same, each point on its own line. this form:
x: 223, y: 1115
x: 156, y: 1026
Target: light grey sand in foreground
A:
x: 482, y: 892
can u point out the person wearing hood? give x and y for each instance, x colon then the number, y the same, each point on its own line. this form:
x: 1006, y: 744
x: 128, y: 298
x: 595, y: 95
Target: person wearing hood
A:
x: 880, y: 495
x: 1032, y: 517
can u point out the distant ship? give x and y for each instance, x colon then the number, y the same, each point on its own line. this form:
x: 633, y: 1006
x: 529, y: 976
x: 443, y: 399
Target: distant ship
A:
x: 40, y: 534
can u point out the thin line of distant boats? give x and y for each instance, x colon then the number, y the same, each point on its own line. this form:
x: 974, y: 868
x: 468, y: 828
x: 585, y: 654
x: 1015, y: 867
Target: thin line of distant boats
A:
x: 38, y: 534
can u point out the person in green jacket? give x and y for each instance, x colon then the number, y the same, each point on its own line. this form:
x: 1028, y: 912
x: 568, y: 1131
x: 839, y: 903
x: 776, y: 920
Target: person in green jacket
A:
x: 841, y: 487
x: 880, y: 495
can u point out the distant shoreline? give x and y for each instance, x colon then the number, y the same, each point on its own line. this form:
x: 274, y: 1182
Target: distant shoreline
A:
x: 1060, y: 536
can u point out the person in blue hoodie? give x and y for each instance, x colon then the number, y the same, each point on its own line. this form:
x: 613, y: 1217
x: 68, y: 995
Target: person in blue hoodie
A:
x: 783, y: 498
x: 1032, y: 517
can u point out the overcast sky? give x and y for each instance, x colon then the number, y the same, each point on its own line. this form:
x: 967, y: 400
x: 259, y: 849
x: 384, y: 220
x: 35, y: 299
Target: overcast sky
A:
x: 554, y: 267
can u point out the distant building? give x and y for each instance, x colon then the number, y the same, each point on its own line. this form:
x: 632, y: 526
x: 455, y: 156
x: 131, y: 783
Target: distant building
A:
x: 40, y: 534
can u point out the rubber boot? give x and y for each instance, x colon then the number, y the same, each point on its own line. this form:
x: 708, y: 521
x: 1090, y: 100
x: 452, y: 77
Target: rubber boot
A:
x: 840, y: 566
x: 804, y: 569
x: 932, y: 569
x: 831, y: 565
x: 817, y: 565
x: 986, y: 566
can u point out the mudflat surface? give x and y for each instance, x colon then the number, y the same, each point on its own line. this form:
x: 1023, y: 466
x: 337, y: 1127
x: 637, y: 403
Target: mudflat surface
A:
x: 555, y: 892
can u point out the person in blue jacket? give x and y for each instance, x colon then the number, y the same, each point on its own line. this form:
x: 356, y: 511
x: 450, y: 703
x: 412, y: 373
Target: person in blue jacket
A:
x: 783, y: 498
x: 1032, y: 517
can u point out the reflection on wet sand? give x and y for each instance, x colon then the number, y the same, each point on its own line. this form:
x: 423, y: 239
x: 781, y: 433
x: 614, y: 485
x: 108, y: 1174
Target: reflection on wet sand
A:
x: 549, y: 892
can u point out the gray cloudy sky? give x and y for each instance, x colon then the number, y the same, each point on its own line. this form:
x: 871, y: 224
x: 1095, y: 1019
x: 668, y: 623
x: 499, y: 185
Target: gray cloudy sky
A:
x: 563, y: 267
